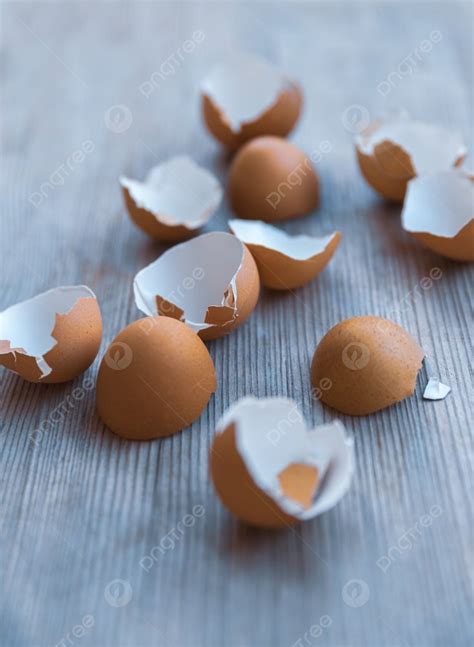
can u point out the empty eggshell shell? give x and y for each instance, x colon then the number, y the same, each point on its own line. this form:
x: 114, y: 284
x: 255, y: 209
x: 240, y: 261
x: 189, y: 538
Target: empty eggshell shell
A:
x: 271, y: 179
x: 175, y: 200
x: 285, y: 262
x: 393, y: 151
x: 245, y: 97
x: 210, y: 282
x: 370, y: 363
x: 53, y: 337
x: 154, y: 380
x: 269, y: 470
x: 439, y: 212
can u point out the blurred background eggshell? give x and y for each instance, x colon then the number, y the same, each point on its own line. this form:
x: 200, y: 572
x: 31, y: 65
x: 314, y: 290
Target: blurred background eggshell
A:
x: 271, y: 179
x: 370, y: 363
x: 155, y: 379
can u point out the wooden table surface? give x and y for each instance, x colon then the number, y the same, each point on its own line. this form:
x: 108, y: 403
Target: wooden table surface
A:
x: 80, y: 507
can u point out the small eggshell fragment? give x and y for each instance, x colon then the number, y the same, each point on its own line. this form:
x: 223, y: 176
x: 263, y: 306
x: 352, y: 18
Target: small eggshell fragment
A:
x: 175, y: 200
x: 439, y: 212
x: 285, y: 262
x: 269, y: 470
x: 245, y: 97
x: 370, y: 363
x: 271, y: 179
x: 52, y: 337
x: 155, y: 379
x: 210, y: 282
x: 393, y: 151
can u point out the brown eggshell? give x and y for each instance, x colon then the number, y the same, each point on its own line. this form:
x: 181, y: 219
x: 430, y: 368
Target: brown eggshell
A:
x: 388, y: 171
x: 278, y: 120
x: 370, y: 362
x: 78, y: 334
x: 155, y: 379
x: 458, y: 248
x: 270, y: 179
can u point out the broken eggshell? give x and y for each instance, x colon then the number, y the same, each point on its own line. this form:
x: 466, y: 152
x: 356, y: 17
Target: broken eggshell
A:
x: 391, y: 152
x: 269, y: 470
x: 435, y: 390
x: 439, y: 212
x: 271, y: 179
x: 285, y: 262
x: 52, y: 337
x: 175, y: 200
x: 245, y: 97
x: 211, y: 283
x: 369, y: 362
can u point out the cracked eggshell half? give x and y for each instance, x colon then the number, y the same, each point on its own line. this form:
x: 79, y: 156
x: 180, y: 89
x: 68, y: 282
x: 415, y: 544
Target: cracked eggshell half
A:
x: 155, y: 379
x: 269, y: 470
x: 393, y: 151
x: 271, y: 179
x: 211, y: 283
x: 370, y: 363
x: 53, y: 337
x: 439, y: 212
x: 175, y: 200
x: 245, y: 97
x: 285, y: 262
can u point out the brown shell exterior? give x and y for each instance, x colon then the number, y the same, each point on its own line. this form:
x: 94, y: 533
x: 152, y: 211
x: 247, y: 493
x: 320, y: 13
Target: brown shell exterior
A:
x: 163, y: 386
x: 264, y: 167
x: 236, y: 488
x: 458, y: 248
x: 371, y: 362
x: 278, y: 120
x: 388, y: 170
x: 147, y: 222
x: 78, y: 334
x: 280, y: 272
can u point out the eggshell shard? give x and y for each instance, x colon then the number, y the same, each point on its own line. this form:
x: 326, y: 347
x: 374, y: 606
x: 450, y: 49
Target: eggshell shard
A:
x: 270, y: 179
x: 370, y: 362
x: 175, y: 200
x: 285, y: 262
x: 154, y: 380
x: 52, y: 337
x: 270, y: 471
x: 391, y: 152
x: 211, y: 283
x: 436, y: 390
x: 245, y: 97
x: 439, y: 212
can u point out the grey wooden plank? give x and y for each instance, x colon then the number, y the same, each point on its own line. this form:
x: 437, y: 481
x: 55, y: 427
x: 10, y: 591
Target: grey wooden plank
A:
x: 80, y: 507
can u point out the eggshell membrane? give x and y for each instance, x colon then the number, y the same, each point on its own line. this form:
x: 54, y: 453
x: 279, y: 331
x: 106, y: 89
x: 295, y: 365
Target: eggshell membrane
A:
x: 77, y: 334
x: 439, y: 212
x: 280, y: 264
x: 371, y: 362
x: 165, y: 385
x: 264, y: 167
x: 240, y: 284
x: 388, y: 165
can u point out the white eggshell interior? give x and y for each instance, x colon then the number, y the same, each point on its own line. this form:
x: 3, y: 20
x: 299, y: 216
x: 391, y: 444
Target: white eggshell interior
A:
x: 177, y: 192
x: 301, y: 247
x: 440, y: 203
x: 243, y: 87
x: 431, y: 148
x: 216, y: 258
x: 28, y: 325
x: 436, y: 390
x: 271, y: 435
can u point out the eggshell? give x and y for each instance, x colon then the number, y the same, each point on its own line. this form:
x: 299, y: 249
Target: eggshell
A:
x: 162, y: 209
x: 52, y: 337
x: 393, y: 151
x: 244, y: 97
x: 371, y: 363
x: 271, y: 179
x: 270, y: 471
x: 155, y: 379
x: 210, y: 282
x: 439, y: 212
x: 285, y: 262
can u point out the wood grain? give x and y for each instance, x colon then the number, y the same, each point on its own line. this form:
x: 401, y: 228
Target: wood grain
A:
x: 80, y: 507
